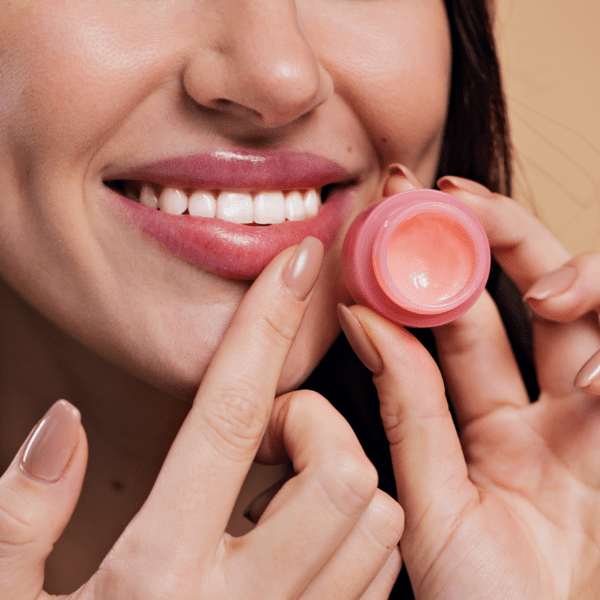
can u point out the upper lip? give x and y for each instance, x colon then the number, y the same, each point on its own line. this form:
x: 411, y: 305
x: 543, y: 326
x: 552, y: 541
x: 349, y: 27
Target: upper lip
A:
x: 236, y: 169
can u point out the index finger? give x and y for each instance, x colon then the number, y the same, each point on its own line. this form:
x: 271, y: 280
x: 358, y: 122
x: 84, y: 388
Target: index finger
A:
x: 197, y: 487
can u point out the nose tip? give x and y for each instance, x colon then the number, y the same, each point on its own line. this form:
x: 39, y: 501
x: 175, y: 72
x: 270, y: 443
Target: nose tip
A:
x: 267, y: 73
x: 284, y: 91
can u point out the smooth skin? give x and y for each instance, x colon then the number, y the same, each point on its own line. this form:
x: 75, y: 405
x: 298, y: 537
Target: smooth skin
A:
x: 121, y: 325
x: 95, y: 312
x: 509, y: 506
x: 178, y: 553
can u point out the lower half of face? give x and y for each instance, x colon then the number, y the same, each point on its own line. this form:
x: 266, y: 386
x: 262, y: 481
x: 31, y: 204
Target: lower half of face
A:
x: 122, y: 127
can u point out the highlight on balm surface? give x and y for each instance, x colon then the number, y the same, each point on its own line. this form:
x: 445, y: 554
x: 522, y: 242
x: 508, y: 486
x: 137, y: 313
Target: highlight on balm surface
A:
x: 430, y: 258
x: 420, y: 258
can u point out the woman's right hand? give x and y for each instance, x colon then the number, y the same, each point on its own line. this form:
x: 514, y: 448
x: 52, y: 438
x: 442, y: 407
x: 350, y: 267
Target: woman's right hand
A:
x: 329, y: 533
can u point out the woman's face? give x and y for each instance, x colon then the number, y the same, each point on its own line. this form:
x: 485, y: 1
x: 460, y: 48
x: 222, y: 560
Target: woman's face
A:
x: 104, y: 98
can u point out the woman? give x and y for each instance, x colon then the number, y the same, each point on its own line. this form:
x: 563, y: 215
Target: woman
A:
x: 125, y: 310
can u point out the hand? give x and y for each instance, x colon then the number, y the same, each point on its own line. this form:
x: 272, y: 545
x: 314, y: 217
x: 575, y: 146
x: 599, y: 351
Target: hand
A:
x: 327, y: 534
x: 509, y: 506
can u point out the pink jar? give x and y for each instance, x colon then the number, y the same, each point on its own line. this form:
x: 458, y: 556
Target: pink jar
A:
x: 419, y: 258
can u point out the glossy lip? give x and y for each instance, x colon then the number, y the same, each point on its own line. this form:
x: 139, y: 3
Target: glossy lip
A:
x: 228, y: 169
x: 229, y: 249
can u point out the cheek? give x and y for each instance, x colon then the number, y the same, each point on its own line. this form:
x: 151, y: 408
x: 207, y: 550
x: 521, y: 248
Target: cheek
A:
x: 392, y: 66
x: 72, y: 79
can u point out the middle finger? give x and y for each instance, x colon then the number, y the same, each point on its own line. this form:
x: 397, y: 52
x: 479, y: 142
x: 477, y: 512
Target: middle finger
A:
x: 526, y: 251
x: 320, y: 513
x: 523, y: 247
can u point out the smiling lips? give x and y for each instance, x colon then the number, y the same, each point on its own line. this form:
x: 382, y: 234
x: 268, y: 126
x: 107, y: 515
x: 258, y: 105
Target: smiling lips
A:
x: 175, y: 201
x: 263, y: 208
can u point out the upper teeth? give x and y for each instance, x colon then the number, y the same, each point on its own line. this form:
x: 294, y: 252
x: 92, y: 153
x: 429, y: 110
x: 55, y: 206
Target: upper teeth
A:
x: 264, y: 207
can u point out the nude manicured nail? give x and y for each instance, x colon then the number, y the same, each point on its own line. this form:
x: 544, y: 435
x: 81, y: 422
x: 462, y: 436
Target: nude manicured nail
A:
x: 359, y: 340
x: 51, y: 444
x: 400, y: 179
x: 590, y: 372
x: 303, y: 269
x: 552, y: 284
x: 451, y: 182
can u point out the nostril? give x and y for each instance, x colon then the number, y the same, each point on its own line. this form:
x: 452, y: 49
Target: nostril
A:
x: 268, y: 84
x: 225, y: 105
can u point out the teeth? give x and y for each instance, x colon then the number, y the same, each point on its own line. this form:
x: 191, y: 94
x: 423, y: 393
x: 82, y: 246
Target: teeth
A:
x: 235, y: 207
x: 263, y: 207
x: 148, y: 197
x: 294, y: 207
x: 202, y: 204
x: 269, y: 207
x: 173, y: 201
x: 311, y: 203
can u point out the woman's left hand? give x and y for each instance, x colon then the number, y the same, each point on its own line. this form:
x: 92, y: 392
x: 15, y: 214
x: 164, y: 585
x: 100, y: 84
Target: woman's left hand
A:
x: 508, y: 506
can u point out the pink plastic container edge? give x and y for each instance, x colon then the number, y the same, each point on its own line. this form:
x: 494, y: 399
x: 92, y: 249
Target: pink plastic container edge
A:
x: 357, y: 257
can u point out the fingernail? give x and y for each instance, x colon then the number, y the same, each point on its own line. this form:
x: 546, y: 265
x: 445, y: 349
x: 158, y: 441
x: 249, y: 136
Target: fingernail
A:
x: 400, y: 179
x: 303, y: 269
x: 359, y: 340
x: 552, y: 284
x: 589, y: 373
x: 452, y: 182
x: 52, y: 443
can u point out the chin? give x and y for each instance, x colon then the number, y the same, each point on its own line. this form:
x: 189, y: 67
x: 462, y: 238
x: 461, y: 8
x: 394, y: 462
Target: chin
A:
x: 307, y: 352
x: 295, y: 373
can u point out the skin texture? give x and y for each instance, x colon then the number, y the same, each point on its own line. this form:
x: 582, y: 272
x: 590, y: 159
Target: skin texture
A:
x: 62, y: 128
x: 108, y: 319
x: 508, y: 506
x: 167, y: 363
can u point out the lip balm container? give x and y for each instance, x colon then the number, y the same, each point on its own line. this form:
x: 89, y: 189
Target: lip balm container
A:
x: 419, y: 258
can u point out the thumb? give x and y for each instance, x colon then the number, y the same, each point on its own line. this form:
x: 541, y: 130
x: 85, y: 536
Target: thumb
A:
x: 38, y: 494
x: 429, y: 464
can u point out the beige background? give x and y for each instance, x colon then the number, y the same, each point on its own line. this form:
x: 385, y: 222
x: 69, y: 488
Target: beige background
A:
x: 550, y: 52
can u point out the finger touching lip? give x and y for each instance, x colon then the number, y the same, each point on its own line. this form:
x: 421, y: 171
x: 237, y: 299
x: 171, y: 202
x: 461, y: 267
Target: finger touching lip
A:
x: 231, y: 249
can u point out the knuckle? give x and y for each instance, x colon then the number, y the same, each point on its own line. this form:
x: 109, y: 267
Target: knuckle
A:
x: 348, y: 482
x: 298, y: 402
x: 237, y: 419
x: 140, y: 568
x: 17, y: 525
x: 504, y: 223
x: 278, y: 328
x: 384, y: 520
x: 394, y: 426
x: 460, y: 336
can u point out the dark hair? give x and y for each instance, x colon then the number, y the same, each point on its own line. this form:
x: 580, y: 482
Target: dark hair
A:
x: 476, y: 145
x: 476, y: 140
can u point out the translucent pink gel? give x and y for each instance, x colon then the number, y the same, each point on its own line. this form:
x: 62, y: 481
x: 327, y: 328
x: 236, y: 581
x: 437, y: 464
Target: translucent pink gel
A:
x: 420, y: 258
x: 430, y: 258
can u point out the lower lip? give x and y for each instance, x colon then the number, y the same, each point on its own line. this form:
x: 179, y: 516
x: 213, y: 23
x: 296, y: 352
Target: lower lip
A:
x: 229, y: 249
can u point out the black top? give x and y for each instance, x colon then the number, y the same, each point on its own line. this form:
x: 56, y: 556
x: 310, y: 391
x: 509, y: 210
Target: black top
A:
x: 347, y: 384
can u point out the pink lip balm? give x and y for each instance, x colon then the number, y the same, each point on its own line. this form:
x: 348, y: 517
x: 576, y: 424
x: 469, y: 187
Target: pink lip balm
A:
x: 419, y: 258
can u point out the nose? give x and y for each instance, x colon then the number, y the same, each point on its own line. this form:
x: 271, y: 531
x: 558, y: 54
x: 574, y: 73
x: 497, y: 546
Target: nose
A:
x: 257, y: 64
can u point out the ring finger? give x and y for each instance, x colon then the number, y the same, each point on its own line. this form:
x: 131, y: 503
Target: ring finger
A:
x: 364, y: 553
